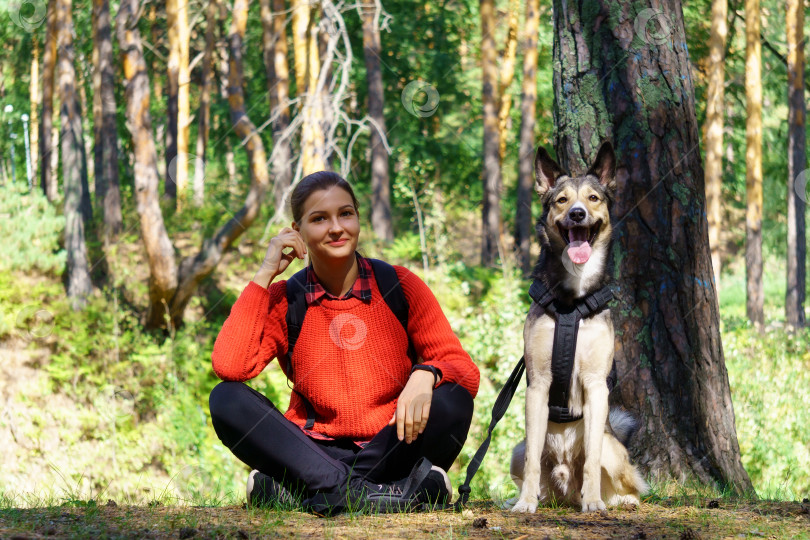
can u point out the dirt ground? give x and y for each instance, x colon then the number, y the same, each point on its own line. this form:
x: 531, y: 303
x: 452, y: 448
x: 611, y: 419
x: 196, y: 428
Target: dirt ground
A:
x: 706, y: 519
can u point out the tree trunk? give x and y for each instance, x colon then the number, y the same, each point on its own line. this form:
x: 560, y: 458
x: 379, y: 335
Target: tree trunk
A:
x: 159, y: 250
x: 714, y: 130
x: 183, y: 94
x: 753, y: 165
x: 195, y: 269
x: 274, y: 39
x: 35, y: 101
x: 172, y: 97
x: 491, y: 212
x: 47, y: 176
x: 211, y: 22
x: 797, y: 161
x: 617, y: 78
x: 73, y: 165
x: 157, y: 66
x: 307, y: 70
x: 380, y: 183
x: 106, y: 133
x: 506, y: 76
x: 528, y: 99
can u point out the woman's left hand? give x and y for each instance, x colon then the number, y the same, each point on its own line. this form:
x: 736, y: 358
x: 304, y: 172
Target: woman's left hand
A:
x: 413, y: 406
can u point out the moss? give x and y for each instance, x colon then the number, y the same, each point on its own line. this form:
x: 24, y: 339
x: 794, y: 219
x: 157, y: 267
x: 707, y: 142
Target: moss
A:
x: 682, y: 193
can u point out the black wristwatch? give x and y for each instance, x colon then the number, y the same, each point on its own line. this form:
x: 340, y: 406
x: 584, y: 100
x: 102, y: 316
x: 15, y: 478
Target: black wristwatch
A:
x: 437, y: 373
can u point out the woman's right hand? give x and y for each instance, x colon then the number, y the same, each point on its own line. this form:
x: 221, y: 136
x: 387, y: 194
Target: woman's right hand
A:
x: 276, y: 260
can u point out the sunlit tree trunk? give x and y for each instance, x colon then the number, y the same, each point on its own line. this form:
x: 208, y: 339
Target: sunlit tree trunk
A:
x: 172, y: 96
x: 307, y: 70
x: 714, y: 129
x: 158, y: 246
x: 617, y: 78
x: 528, y: 100
x: 34, y: 109
x: 380, y: 183
x: 74, y: 166
x: 183, y: 96
x: 506, y: 76
x: 211, y: 22
x: 491, y: 213
x: 274, y: 39
x: 797, y: 161
x: 47, y: 176
x: 106, y: 135
x: 753, y: 165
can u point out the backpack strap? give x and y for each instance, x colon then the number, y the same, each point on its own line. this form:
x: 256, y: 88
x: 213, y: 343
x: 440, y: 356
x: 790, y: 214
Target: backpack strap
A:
x: 391, y: 290
x: 296, y: 312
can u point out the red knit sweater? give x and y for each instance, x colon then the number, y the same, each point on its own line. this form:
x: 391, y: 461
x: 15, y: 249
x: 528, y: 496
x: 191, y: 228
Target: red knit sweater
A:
x: 351, y: 359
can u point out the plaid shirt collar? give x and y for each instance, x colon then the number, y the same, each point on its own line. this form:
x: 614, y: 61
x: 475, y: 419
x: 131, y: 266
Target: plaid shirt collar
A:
x: 361, y: 288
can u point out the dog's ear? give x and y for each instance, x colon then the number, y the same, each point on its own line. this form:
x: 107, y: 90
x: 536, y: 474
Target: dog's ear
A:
x: 604, y: 166
x: 546, y: 171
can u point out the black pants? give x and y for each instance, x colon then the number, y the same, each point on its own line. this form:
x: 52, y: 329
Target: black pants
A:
x: 260, y: 436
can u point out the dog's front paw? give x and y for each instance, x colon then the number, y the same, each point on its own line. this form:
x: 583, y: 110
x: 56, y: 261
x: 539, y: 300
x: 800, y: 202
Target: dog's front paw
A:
x: 593, y: 506
x: 525, y: 506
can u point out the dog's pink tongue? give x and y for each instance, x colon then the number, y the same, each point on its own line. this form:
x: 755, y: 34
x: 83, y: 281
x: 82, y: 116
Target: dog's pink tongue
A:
x: 579, y: 249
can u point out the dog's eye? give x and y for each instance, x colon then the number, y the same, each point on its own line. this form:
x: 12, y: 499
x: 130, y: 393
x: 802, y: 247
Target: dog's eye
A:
x: 562, y: 200
x: 594, y: 198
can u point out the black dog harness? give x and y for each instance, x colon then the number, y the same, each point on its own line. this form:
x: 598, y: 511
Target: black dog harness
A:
x: 566, y: 327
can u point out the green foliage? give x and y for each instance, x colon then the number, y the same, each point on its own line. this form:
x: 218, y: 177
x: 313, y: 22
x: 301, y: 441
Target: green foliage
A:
x: 30, y: 228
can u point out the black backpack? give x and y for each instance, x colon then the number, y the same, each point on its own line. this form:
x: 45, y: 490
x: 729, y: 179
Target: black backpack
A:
x: 391, y: 289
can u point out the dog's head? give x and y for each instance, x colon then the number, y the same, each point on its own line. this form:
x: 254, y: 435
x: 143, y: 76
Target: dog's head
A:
x: 576, y: 209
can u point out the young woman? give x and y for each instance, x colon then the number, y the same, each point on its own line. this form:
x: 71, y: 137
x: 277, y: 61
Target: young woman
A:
x: 365, y: 425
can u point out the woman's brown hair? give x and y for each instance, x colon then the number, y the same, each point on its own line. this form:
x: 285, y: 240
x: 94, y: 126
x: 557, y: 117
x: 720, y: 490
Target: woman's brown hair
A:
x: 316, y: 182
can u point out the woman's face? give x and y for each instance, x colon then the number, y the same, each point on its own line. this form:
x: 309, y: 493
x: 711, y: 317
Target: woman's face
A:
x: 329, y: 224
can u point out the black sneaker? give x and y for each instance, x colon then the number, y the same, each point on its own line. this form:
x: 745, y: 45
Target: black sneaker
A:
x: 263, y: 490
x: 426, y: 487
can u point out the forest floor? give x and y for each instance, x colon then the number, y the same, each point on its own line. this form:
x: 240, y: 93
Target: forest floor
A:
x: 667, y: 518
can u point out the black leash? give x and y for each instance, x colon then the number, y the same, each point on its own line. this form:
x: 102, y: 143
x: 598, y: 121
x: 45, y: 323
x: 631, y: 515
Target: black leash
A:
x: 498, y: 410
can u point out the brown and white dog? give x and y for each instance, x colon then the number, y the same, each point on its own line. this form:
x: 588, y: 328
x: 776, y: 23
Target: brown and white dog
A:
x: 584, y: 462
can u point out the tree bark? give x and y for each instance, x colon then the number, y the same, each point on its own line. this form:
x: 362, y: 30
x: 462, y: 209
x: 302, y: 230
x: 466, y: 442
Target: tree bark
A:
x: 506, y: 76
x: 528, y: 100
x: 753, y: 166
x: 47, y: 176
x: 172, y: 97
x: 35, y: 101
x: 106, y: 135
x: 491, y: 212
x: 380, y: 183
x: 159, y: 249
x: 274, y: 39
x: 617, y: 77
x: 183, y: 96
x: 73, y: 165
x: 307, y: 70
x: 211, y: 22
x: 714, y: 129
x: 797, y: 161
